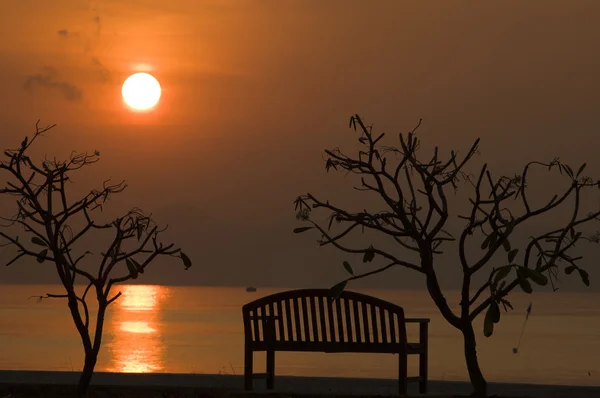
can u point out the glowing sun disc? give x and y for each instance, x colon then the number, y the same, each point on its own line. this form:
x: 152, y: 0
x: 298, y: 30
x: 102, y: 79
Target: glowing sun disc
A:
x: 141, y: 91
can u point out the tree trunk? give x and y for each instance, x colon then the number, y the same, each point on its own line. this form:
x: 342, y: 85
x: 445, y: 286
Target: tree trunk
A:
x: 477, y: 380
x: 87, y: 373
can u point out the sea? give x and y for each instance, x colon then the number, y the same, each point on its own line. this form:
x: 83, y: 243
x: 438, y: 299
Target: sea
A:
x: 198, y: 330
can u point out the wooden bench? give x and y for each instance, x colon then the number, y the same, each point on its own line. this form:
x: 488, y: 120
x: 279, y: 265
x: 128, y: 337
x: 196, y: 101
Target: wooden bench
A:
x: 309, y: 320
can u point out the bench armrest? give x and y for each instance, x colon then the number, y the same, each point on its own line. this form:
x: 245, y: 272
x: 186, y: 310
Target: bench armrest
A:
x: 423, y: 329
x: 416, y: 320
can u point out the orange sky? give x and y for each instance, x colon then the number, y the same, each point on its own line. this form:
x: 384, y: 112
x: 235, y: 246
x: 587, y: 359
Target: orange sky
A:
x: 253, y: 91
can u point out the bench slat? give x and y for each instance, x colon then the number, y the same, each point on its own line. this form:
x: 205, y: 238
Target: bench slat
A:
x: 272, y: 321
x: 393, y: 327
x: 262, y: 323
x: 382, y: 324
x: 288, y: 319
x: 305, y: 312
x: 340, y: 324
x: 255, y: 323
x: 357, y: 323
x: 332, y: 335
x: 365, y: 323
x: 322, y: 317
x: 281, y: 335
x: 348, y: 317
x: 297, y: 332
x: 374, y: 323
x: 312, y: 301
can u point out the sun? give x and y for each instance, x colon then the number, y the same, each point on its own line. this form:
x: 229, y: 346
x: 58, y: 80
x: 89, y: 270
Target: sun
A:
x: 141, y: 91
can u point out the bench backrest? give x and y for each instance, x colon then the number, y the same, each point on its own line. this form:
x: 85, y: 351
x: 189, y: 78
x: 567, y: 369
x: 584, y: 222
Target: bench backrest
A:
x: 310, y: 315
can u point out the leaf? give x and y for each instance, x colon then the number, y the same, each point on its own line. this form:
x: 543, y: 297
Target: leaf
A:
x: 523, y: 282
x: 187, y: 263
x: 569, y: 270
x: 580, y: 169
x: 330, y: 222
x: 486, y: 241
x: 506, y: 303
x: 535, y: 276
x: 38, y: 241
x: 488, y: 323
x: 337, y: 290
x: 494, y: 239
x: 569, y: 171
x: 301, y: 229
x: 369, y: 255
x: 41, y: 257
x: 133, y: 271
x: 303, y: 214
x: 512, y: 254
x: 506, y: 245
x: 538, y: 263
x: 501, y: 273
x: 138, y: 266
x: 348, y: 267
x: 584, y: 276
x: 494, y: 311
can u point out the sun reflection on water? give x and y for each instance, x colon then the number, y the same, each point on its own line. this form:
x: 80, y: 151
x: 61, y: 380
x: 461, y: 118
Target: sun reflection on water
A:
x: 137, y: 345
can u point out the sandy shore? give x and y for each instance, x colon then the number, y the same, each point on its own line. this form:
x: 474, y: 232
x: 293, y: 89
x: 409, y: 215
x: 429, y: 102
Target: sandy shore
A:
x: 295, y: 385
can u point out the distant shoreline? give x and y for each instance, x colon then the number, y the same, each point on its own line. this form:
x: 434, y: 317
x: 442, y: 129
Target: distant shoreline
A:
x: 290, y: 384
x: 325, y: 284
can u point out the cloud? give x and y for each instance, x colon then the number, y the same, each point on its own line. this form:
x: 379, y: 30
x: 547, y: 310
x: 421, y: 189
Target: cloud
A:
x: 48, y: 78
x: 98, y: 25
x: 104, y: 72
x: 88, y: 41
x: 67, y: 33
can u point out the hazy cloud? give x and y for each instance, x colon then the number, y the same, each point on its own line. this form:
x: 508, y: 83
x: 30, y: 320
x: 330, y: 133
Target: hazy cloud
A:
x: 89, y: 42
x: 48, y: 78
x: 104, y: 72
x: 98, y: 25
x: 67, y: 33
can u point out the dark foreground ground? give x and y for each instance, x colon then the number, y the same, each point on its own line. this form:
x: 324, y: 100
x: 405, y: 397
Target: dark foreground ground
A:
x: 59, y: 391
x: 41, y: 384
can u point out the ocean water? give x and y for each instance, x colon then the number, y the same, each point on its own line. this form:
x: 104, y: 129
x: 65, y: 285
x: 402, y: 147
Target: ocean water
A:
x: 199, y: 330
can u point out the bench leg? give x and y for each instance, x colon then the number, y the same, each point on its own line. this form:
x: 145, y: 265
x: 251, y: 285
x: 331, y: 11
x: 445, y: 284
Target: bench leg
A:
x: 423, y: 373
x: 270, y: 369
x: 247, y: 369
x: 423, y: 358
x: 402, y: 374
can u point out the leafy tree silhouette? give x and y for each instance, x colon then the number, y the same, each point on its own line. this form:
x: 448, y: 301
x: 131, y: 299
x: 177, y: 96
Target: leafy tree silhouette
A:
x: 55, y: 224
x: 415, y: 192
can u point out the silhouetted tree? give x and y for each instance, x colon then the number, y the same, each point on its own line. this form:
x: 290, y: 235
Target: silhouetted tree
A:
x: 54, y: 225
x: 415, y: 194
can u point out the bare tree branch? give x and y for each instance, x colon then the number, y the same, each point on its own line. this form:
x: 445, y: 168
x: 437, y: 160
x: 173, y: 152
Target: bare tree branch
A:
x: 43, y: 211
